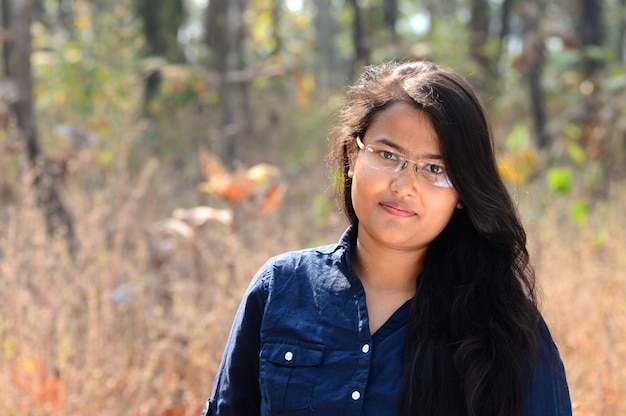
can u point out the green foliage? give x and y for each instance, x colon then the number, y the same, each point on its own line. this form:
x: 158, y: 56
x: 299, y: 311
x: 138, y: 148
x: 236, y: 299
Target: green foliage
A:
x: 616, y: 80
x: 599, y: 239
x: 323, y: 207
x: 337, y: 179
x: 90, y: 72
x: 576, y: 153
x: 161, y: 21
x: 519, y: 160
x: 519, y: 137
x: 90, y: 82
x: 565, y: 58
x: 599, y: 53
x: 561, y: 183
x: 452, y: 33
x: 295, y: 32
x: 579, y: 211
x: 560, y: 180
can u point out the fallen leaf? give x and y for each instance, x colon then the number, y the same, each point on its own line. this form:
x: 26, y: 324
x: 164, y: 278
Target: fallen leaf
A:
x: 45, y: 387
x: 272, y: 200
x: 202, y: 214
x: 211, y: 165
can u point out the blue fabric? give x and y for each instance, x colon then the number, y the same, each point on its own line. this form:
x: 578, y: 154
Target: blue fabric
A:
x: 300, y: 345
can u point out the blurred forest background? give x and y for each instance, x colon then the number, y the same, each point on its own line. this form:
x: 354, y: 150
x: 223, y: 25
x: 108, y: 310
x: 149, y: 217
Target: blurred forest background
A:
x: 154, y: 153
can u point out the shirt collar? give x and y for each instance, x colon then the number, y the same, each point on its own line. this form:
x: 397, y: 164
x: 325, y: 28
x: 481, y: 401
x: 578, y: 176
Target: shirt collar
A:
x: 345, y: 243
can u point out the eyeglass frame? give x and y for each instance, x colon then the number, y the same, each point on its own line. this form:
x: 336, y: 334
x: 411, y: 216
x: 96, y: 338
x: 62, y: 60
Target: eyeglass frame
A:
x: 418, y: 166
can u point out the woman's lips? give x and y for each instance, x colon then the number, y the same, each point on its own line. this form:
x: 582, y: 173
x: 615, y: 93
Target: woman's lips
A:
x: 396, y: 209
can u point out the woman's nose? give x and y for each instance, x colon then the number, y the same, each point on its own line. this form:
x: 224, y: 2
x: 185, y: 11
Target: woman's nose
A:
x: 404, y: 182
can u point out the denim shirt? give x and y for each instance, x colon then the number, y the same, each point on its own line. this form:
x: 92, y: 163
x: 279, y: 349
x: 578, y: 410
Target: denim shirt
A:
x: 301, y: 345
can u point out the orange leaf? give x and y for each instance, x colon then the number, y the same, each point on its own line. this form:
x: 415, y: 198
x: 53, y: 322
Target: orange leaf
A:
x: 240, y: 188
x: 211, y: 165
x: 273, y: 199
x: 43, y: 387
x: 181, y: 411
x: 235, y: 193
x: 241, y: 185
x: 175, y: 411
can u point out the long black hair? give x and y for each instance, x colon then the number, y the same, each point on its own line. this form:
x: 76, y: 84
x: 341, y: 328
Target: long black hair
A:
x: 471, y: 331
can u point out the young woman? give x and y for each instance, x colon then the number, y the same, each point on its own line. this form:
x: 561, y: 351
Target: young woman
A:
x: 426, y: 306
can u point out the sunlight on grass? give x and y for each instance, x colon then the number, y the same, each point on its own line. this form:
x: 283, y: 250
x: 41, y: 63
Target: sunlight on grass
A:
x: 113, y: 334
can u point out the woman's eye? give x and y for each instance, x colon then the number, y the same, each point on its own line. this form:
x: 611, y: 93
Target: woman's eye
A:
x: 385, y: 154
x: 434, y: 168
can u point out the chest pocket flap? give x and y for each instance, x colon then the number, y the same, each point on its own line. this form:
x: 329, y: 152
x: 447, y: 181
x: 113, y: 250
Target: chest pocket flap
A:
x: 288, y: 373
x: 291, y: 354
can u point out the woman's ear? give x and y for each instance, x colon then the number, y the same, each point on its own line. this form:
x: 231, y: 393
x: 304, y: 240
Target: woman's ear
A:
x: 459, y: 205
x: 352, y: 154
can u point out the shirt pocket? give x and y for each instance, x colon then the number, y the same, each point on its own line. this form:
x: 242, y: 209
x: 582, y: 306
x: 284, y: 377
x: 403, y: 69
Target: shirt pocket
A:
x: 288, y: 373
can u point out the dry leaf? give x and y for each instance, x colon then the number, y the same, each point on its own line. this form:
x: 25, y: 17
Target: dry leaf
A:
x: 44, y: 387
x: 254, y: 183
x: 262, y: 173
x: 173, y: 227
x: 164, y: 238
x: 231, y: 188
x: 211, y: 165
x: 201, y: 215
x: 273, y: 199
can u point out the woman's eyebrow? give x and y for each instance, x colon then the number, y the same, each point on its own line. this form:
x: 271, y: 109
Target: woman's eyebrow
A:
x: 431, y: 156
x: 391, y: 144
x: 401, y: 149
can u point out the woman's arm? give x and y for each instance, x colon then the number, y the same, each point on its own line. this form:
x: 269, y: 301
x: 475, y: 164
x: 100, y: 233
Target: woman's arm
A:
x: 236, y: 388
x: 549, y: 395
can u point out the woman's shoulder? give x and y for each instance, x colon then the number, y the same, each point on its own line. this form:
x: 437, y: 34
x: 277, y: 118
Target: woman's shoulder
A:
x: 313, y: 256
x: 306, y: 269
x: 550, y: 393
x: 293, y: 261
x: 546, y: 345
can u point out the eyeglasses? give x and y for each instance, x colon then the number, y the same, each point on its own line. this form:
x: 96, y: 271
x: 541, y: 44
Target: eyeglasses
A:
x: 387, y: 160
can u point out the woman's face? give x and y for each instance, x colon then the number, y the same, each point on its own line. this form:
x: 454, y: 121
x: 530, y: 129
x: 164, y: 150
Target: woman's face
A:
x: 399, y: 210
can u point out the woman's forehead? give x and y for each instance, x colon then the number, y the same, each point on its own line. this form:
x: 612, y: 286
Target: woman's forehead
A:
x: 405, y: 127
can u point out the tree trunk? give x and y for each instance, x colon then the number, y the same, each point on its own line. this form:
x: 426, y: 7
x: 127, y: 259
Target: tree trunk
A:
x: 591, y: 29
x: 359, y: 39
x: 621, y: 36
x: 390, y: 12
x: 58, y: 219
x: 327, y: 62
x: 216, y: 33
x: 5, y: 9
x: 161, y: 21
x: 531, y: 64
x: 594, y: 139
x: 484, y: 79
x: 225, y: 34
x: 505, y: 28
x: 276, y: 26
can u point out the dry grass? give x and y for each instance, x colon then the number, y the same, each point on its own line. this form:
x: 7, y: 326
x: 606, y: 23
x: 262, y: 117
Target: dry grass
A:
x: 582, y: 272
x: 112, y: 334
x: 115, y: 333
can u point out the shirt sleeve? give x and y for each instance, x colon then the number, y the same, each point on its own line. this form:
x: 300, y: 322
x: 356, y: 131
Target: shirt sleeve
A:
x: 236, y: 389
x: 549, y: 393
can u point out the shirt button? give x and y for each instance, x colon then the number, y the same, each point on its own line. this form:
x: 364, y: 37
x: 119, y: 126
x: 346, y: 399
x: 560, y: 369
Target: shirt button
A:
x: 356, y: 395
x: 365, y: 348
x: 289, y: 356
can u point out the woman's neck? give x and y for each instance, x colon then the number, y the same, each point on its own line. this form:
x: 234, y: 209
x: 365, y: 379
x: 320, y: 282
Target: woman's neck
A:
x: 389, y: 280
x: 387, y: 269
